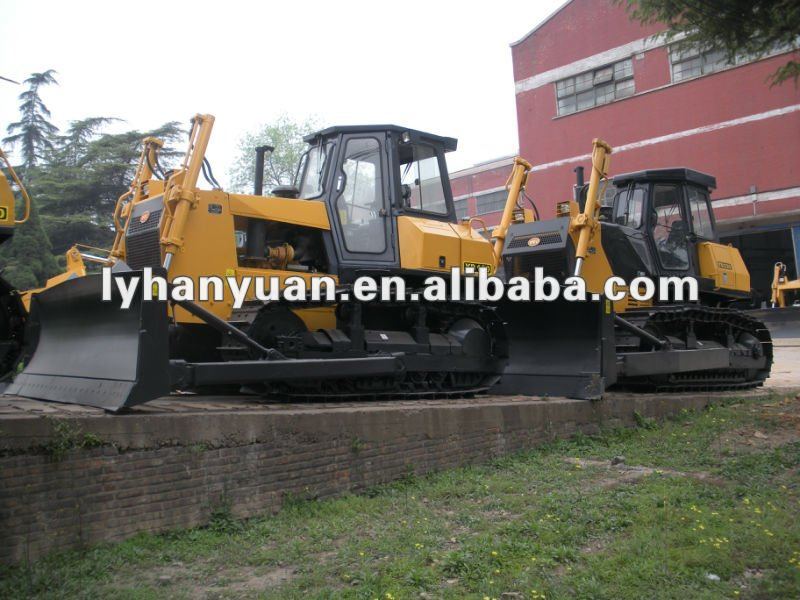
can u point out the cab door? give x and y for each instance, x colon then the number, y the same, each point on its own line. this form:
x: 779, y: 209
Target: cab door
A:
x: 360, y: 204
x: 670, y: 229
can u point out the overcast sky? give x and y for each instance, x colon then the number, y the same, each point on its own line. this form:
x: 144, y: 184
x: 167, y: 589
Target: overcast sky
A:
x: 444, y: 67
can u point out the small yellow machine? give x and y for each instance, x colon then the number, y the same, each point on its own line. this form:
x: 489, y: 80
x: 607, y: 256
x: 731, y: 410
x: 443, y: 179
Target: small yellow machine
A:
x: 782, y: 286
x: 8, y: 218
x: 12, y: 311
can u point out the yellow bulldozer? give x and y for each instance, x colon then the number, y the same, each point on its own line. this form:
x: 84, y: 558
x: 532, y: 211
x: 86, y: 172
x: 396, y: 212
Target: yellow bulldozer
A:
x: 653, y: 223
x: 376, y: 200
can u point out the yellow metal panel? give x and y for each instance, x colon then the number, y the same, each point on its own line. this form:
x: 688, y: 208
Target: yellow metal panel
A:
x: 475, y: 249
x: 6, y: 202
x: 310, y: 213
x: 723, y: 264
x: 155, y: 187
x: 429, y: 245
x: 209, y: 248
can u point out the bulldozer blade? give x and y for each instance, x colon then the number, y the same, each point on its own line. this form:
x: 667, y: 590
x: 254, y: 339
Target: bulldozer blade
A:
x: 783, y: 324
x: 93, y: 352
x: 558, y: 349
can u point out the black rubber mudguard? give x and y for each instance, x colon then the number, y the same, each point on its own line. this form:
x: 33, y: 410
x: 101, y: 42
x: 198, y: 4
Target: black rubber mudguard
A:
x: 93, y: 352
x: 558, y: 348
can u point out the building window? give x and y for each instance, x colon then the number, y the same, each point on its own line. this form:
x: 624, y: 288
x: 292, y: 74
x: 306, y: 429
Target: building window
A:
x: 494, y: 202
x: 461, y: 208
x: 692, y: 62
x: 595, y: 88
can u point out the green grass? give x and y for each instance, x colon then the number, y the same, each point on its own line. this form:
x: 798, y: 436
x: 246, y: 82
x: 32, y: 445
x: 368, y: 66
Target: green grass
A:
x: 717, y: 518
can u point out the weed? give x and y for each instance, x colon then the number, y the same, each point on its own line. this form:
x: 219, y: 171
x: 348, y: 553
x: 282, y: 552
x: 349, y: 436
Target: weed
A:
x: 222, y: 520
x: 66, y: 437
x: 357, y: 445
x: 644, y: 422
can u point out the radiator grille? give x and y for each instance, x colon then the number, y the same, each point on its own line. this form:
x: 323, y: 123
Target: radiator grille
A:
x: 547, y: 237
x: 553, y: 264
x: 142, y: 247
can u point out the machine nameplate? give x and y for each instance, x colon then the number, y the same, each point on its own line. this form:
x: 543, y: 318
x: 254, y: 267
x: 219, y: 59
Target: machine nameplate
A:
x: 476, y: 266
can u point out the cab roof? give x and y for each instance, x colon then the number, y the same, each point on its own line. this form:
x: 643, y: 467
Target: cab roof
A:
x: 675, y: 174
x: 449, y: 144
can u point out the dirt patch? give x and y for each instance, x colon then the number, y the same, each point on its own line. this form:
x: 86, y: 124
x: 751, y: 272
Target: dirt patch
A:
x: 595, y: 546
x: 750, y: 439
x: 750, y: 578
x: 620, y: 474
x: 243, y: 582
x: 195, y: 582
x: 499, y: 514
x: 253, y: 582
x: 782, y: 427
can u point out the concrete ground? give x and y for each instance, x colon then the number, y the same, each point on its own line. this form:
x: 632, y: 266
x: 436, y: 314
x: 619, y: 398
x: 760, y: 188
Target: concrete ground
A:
x: 786, y: 368
x: 785, y: 376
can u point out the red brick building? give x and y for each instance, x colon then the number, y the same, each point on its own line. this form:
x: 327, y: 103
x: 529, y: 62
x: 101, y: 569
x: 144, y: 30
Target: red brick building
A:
x: 589, y: 71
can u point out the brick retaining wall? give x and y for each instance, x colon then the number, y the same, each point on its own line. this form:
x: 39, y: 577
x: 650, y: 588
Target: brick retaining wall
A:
x: 171, y: 464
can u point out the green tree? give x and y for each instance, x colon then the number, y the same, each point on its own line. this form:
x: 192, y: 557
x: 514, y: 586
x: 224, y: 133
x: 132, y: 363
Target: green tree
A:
x: 88, y: 172
x: 286, y: 136
x: 33, y: 132
x: 74, y: 145
x: 750, y: 27
x: 74, y: 180
x: 26, y: 260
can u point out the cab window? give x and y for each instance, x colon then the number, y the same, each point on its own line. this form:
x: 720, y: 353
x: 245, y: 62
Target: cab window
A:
x: 421, y: 186
x: 669, y: 227
x: 701, y: 213
x: 629, y: 206
x: 311, y: 172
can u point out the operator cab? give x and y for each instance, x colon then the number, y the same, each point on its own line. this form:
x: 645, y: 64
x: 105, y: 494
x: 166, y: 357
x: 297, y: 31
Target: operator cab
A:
x: 662, y: 214
x: 368, y: 175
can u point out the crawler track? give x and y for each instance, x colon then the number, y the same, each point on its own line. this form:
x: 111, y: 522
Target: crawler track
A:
x: 449, y: 367
x: 747, y: 338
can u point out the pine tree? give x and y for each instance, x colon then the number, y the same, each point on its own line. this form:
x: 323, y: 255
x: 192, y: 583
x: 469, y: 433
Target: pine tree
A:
x: 88, y: 171
x: 27, y: 260
x: 74, y: 180
x: 33, y: 132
